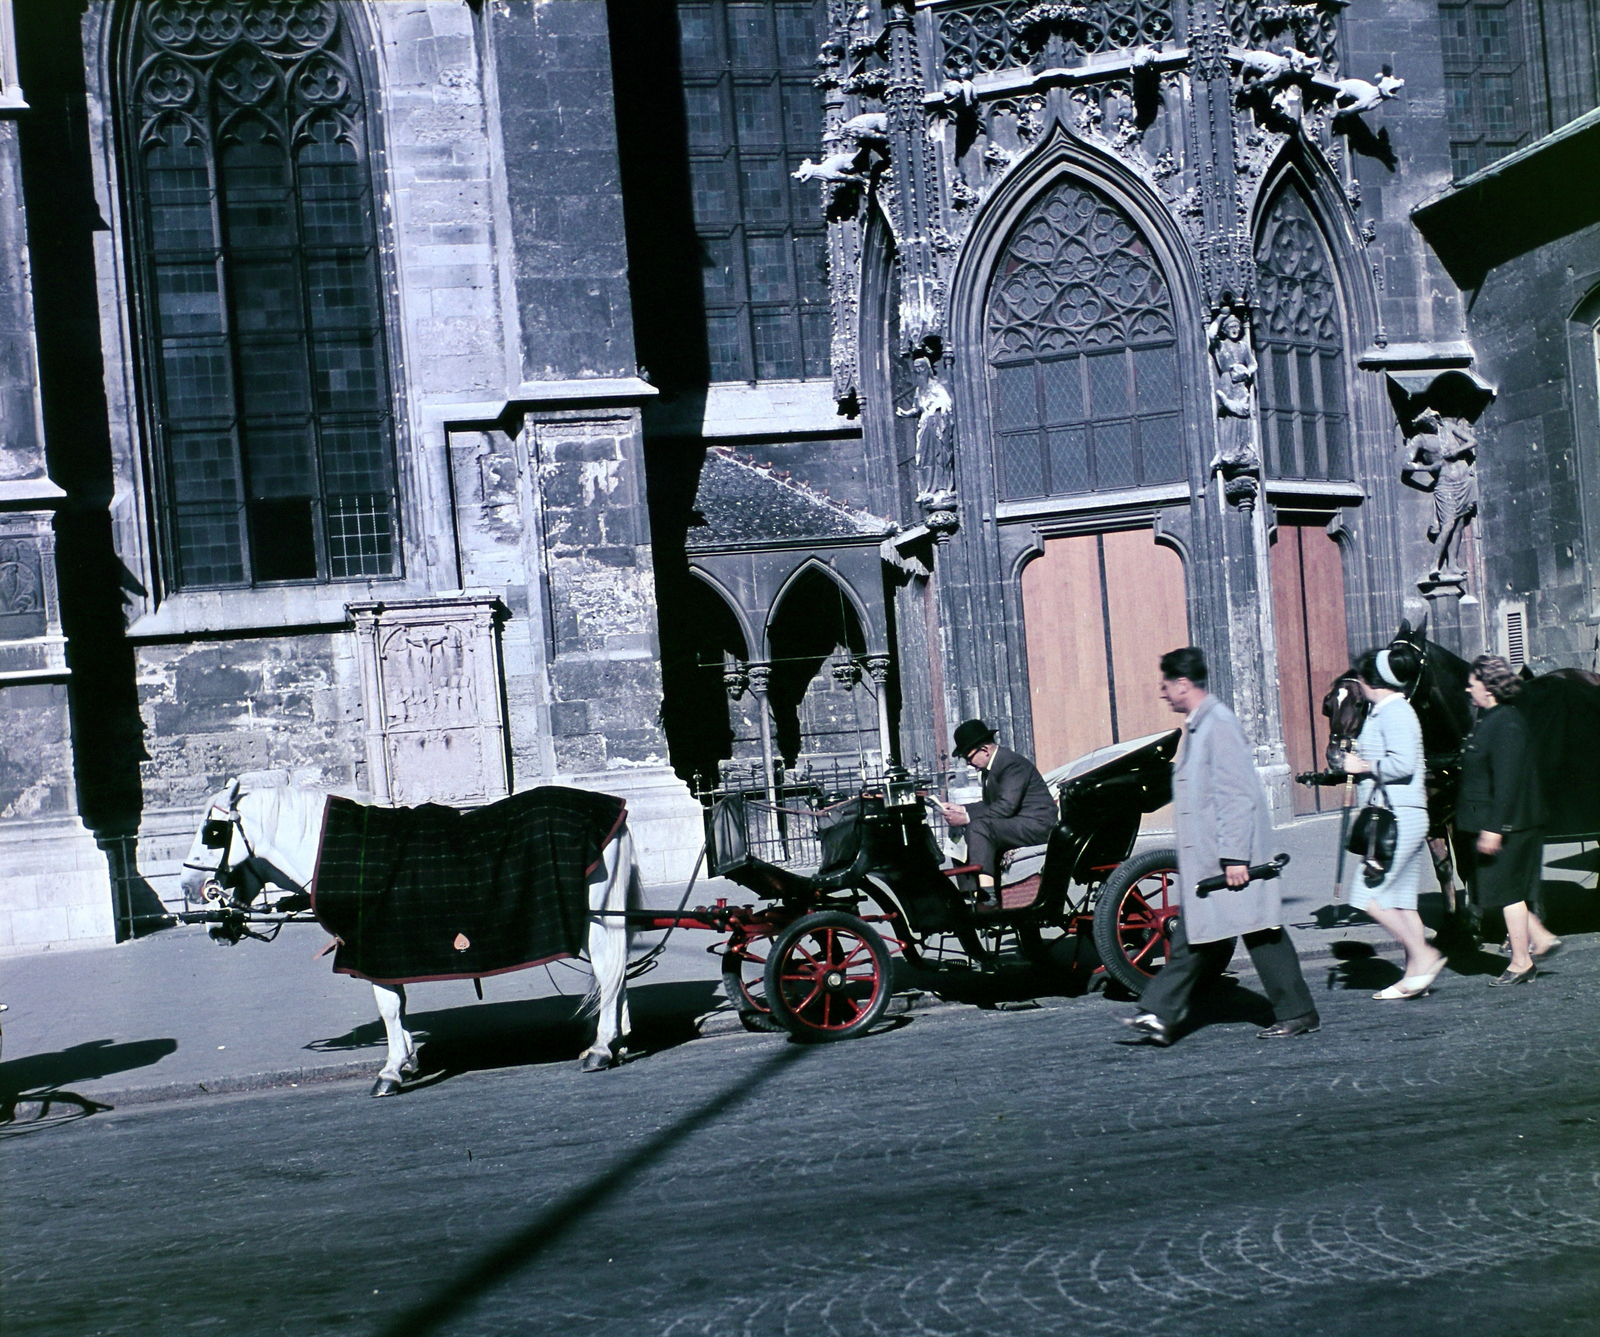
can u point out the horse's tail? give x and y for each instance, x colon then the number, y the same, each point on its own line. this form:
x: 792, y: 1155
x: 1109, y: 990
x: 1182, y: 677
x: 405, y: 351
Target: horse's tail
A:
x: 609, y: 941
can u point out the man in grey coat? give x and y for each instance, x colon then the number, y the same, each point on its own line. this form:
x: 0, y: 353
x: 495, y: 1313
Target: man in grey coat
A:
x: 1224, y: 825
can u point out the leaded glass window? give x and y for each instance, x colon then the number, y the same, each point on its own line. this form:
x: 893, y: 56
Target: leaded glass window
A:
x: 260, y: 306
x: 1485, y: 104
x: 754, y: 113
x: 1300, y: 348
x: 1083, y: 371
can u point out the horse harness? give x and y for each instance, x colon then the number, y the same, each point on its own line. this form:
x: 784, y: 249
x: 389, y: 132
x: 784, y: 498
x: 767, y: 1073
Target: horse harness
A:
x: 216, y: 833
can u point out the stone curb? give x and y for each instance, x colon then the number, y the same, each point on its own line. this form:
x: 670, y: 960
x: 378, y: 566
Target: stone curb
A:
x: 711, y: 1025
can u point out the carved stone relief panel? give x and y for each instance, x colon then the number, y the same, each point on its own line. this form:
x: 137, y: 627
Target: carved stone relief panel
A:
x: 431, y: 688
x: 31, y: 643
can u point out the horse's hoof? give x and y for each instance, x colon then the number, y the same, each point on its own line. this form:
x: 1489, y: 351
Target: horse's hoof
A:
x: 385, y: 1086
x: 595, y: 1062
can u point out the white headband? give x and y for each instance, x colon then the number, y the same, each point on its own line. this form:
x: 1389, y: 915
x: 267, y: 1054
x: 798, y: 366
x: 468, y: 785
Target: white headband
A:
x: 1387, y: 673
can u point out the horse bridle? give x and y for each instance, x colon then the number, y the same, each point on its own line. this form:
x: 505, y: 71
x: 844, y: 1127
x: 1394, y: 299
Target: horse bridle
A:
x: 216, y: 833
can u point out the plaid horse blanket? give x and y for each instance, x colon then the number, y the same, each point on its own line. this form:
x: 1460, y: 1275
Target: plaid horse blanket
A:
x: 430, y: 893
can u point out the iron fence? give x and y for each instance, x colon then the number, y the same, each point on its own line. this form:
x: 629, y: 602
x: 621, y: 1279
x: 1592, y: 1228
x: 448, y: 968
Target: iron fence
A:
x: 782, y: 818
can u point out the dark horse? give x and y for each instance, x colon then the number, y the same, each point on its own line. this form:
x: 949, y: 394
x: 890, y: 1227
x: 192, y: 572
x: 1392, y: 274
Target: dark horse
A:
x: 1563, y: 713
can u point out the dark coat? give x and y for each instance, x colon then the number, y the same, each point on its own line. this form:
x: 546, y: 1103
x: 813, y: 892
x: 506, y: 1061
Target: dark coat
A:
x: 1499, y: 786
x: 1013, y: 787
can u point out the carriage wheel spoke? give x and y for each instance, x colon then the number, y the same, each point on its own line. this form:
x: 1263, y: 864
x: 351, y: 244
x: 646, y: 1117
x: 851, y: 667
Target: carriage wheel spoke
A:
x: 1145, y: 951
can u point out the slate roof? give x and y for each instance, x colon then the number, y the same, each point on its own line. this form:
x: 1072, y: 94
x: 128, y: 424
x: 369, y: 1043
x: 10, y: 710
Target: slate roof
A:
x: 741, y: 501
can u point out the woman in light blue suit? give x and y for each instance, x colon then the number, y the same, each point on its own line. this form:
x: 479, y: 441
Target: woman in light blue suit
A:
x: 1389, y: 749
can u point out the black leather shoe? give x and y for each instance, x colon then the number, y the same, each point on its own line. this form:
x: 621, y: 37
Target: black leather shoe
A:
x: 1509, y: 976
x: 1284, y: 1030
x: 1150, y: 1027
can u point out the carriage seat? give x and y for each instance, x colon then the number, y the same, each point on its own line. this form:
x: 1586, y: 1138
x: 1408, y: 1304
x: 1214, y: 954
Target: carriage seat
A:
x: 1020, y: 864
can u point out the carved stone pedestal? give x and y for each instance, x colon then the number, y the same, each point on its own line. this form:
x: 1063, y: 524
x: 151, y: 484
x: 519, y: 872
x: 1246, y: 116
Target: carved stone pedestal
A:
x: 1455, y: 618
x: 431, y: 690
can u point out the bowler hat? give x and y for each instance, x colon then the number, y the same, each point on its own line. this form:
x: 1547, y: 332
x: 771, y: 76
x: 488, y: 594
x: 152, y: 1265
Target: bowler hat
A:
x: 971, y: 735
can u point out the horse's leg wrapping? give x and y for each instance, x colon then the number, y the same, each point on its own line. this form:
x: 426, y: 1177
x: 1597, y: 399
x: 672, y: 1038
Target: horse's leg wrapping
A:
x: 402, y: 1054
x: 608, y: 953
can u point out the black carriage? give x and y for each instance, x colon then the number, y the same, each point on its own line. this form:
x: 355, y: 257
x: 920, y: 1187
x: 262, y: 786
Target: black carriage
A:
x: 814, y: 956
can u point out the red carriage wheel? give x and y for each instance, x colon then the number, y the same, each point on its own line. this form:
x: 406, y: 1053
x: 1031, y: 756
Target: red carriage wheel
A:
x: 828, y: 976
x: 1135, y: 915
x: 744, y: 983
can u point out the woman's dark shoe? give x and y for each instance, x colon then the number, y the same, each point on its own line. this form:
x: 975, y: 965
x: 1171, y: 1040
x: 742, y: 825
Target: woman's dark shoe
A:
x: 1514, y: 977
x: 1284, y: 1030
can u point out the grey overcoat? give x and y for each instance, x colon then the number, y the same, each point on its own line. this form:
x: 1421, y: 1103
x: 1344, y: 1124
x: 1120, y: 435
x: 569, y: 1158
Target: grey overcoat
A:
x: 1221, y: 813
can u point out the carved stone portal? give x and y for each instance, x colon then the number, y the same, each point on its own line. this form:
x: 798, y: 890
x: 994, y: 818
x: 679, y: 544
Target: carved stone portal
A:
x: 431, y: 688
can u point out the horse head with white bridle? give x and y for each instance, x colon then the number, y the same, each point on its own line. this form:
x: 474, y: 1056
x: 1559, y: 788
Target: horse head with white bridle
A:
x: 269, y: 838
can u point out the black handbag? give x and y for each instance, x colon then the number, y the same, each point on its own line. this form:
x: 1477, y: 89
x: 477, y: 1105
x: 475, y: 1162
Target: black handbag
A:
x: 1374, y: 835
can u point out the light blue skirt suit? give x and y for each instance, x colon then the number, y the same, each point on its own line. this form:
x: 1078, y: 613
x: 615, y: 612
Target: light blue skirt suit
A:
x: 1391, y: 743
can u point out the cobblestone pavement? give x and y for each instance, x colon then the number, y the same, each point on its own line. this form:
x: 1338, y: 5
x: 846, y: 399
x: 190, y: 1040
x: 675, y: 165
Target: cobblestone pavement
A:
x: 1416, y: 1169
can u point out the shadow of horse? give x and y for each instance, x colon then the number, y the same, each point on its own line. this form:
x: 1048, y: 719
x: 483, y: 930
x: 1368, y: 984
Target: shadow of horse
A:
x: 533, y: 1031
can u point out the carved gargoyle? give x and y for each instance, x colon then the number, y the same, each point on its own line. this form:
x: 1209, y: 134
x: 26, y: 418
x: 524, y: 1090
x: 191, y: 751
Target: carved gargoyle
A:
x: 1279, y: 77
x: 836, y: 167
x: 1351, y: 97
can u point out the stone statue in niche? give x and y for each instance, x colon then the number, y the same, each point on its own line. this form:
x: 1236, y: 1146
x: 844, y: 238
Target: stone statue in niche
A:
x: 936, y: 460
x: 1444, y: 455
x: 1233, y: 377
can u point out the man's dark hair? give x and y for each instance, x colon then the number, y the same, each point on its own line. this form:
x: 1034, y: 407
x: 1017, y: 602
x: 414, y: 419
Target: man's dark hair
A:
x: 1189, y: 662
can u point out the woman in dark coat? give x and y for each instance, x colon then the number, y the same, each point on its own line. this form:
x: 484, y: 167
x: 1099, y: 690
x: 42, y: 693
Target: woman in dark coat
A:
x: 1501, y: 803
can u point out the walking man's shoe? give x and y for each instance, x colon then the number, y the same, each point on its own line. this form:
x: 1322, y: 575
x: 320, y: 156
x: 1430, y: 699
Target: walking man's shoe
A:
x: 1149, y: 1027
x: 1284, y: 1030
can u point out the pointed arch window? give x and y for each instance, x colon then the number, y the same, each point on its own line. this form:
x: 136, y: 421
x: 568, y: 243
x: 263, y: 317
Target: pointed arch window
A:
x: 1299, y: 335
x: 1083, y: 370
x: 259, y: 303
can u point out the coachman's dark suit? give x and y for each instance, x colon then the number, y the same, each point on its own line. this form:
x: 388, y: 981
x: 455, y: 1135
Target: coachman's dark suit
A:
x: 1017, y: 810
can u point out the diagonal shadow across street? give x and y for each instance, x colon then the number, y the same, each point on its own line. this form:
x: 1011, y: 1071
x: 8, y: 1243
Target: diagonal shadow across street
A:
x: 520, y: 1249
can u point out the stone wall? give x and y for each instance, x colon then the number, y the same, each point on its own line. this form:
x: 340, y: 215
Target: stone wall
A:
x: 553, y: 65
x: 288, y: 705
x: 1539, y: 450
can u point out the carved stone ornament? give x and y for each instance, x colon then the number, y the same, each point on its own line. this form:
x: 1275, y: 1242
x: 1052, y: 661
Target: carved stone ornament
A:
x: 431, y: 692
x: 31, y: 640
x: 735, y: 679
x: 1233, y: 378
x: 932, y: 407
x: 1444, y: 453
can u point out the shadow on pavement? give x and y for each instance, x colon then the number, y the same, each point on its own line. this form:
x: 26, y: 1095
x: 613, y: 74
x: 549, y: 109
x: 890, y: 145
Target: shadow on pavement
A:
x: 532, y: 1031
x: 31, y: 1094
x: 499, y: 1265
x: 82, y: 1063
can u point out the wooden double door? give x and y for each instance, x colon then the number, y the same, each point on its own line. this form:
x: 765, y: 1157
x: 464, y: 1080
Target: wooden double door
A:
x: 1099, y: 611
x: 1313, y: 649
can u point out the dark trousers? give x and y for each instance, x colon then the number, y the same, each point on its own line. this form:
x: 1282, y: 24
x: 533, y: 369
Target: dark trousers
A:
x: 1276, y: 962
x: 988, y: 836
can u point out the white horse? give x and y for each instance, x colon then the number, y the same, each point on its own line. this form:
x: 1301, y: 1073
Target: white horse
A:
x: 280, y: 828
